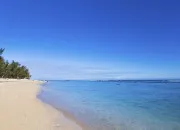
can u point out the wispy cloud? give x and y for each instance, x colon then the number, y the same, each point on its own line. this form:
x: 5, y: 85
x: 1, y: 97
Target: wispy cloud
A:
x: 47, y: 70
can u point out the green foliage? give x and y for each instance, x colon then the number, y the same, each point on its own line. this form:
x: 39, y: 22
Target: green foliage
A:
x: 13, y: 69
x: 1, y: 51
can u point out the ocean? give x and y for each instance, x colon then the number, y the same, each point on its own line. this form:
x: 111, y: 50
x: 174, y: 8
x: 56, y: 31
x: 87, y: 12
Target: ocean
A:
x: 117, y: 105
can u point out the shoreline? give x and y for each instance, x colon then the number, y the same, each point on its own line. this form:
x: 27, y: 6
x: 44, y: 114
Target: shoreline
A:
x: 67, y: 115
x: 63, y: 112
x: 20, y: 109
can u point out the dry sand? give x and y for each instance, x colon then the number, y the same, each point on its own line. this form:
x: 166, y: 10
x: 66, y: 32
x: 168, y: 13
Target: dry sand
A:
x: 21, y: 110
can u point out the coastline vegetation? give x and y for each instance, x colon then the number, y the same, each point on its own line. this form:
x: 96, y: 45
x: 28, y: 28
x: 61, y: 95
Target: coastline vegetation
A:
x: 12, y: 69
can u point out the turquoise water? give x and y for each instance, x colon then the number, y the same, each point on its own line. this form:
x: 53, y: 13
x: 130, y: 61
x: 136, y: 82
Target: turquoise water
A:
x: 125, y: 105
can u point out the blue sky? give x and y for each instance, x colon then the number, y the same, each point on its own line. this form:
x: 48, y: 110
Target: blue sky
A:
x: 93, y: 39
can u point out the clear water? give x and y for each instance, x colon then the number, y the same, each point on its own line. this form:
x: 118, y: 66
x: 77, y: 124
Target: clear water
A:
x: 117, y: 105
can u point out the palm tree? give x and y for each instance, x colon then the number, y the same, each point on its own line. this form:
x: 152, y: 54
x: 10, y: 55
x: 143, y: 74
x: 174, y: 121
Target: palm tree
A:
x: 13, y: 69
x: 1, y: 51
x: 25, y: 72
x: 1, y: 62
x: 5, y: 71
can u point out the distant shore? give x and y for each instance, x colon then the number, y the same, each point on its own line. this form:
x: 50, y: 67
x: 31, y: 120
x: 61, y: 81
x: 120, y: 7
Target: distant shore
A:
x: 21, y: 110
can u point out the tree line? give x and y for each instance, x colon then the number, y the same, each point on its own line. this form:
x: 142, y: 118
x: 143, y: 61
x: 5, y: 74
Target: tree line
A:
x: 12, y: 69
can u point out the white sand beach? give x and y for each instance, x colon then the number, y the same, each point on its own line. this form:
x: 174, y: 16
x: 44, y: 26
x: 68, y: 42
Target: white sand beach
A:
x: 21, y: 110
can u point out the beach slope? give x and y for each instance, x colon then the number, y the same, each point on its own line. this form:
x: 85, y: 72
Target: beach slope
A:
x: 21, y: 110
